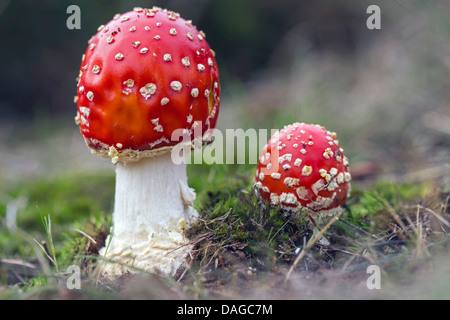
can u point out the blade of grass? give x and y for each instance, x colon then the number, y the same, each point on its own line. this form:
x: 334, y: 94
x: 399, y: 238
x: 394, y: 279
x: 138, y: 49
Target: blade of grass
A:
x: 437, y: 216
x: 47, y: 222
x: 86, y: 235
x: 97, y: 281
x: 275, y: 234
x: 310, y: 244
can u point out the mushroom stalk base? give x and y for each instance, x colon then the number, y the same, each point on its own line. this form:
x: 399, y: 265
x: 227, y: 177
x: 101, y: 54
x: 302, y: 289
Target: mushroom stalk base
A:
x: 153, y: 206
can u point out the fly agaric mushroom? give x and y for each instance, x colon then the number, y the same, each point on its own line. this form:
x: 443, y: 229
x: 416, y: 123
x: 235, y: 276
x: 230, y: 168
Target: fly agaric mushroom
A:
x: 302, y: 167
x: 145, y: 75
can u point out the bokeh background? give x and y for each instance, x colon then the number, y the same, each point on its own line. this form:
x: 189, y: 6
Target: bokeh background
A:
x: 385, y: 92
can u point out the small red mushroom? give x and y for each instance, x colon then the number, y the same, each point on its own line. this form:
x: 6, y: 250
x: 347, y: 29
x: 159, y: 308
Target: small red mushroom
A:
x: 145, y: 75
x: 302, y: 167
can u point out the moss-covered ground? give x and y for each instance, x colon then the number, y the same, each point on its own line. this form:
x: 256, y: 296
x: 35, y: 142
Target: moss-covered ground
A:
x: 242, y: 246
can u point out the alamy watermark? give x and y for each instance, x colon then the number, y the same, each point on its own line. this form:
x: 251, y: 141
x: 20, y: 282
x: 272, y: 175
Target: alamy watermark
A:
x: 235, y: 146
x: 374, y: 280
x: 74, y: 20
x: 374, y: 20
x: 73, y: 280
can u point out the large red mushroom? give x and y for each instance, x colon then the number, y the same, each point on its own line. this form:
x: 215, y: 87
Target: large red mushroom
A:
x: 303, y: 168
x: 146, y: 75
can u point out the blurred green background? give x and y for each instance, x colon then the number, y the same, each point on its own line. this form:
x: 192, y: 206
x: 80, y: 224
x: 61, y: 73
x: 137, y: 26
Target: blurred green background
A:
x: 41, y: 55
x: 384, y: 91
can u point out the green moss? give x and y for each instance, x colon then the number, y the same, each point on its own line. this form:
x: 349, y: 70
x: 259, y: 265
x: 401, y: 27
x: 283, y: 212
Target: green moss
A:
x: 39, y: 281
x: 85, y: 240
x: 236, y: 219
x: 371, y: 203
x: 233, y: 217
x: 66, y: 200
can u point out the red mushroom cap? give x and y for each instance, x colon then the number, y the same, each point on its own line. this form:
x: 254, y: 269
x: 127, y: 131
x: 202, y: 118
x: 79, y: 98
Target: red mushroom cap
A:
x: 144, y: 75
x: 302, y: 166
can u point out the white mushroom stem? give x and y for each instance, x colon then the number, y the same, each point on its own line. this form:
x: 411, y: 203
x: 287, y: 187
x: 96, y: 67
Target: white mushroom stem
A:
x: 153, y: 206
